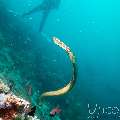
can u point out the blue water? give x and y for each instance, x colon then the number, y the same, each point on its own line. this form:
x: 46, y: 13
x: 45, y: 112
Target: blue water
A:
x: 91, y: 29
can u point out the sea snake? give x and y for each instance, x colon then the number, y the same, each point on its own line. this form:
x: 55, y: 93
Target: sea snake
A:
x: 72, y: 82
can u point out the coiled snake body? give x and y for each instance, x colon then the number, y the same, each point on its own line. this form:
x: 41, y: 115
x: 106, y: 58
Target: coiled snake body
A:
x: 70, y: 85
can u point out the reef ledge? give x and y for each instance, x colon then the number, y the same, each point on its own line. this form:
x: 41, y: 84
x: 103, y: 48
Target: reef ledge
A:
x: 13, y: 107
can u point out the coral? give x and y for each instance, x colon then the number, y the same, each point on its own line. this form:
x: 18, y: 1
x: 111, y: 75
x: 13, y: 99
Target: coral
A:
x: 13, y: 107
x: 20, y: 67
x: 10, y: 104
x: 7, y: 75
x: 4, y: 88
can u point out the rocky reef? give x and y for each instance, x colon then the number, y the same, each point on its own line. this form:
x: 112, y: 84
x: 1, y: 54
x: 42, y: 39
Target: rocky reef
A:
x: 13, y: 107
x: 15, y: 101
x: 29, y: 66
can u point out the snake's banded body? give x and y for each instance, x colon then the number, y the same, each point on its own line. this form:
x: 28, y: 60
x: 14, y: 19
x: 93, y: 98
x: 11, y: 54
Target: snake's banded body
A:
x: 70, y: 85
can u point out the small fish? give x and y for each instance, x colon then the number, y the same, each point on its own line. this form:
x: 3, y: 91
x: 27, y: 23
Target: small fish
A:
x: 55, y: 111
x: 29, y: 90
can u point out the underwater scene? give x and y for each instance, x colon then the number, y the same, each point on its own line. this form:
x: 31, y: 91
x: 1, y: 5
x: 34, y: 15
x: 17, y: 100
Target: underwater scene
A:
x: 59, y: 60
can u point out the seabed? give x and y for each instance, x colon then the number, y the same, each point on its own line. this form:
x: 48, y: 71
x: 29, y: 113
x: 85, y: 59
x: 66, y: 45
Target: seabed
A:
x: 19, y: 49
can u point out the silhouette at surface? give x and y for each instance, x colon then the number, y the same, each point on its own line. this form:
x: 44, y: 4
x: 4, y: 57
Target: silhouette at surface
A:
x: 46, y: 7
